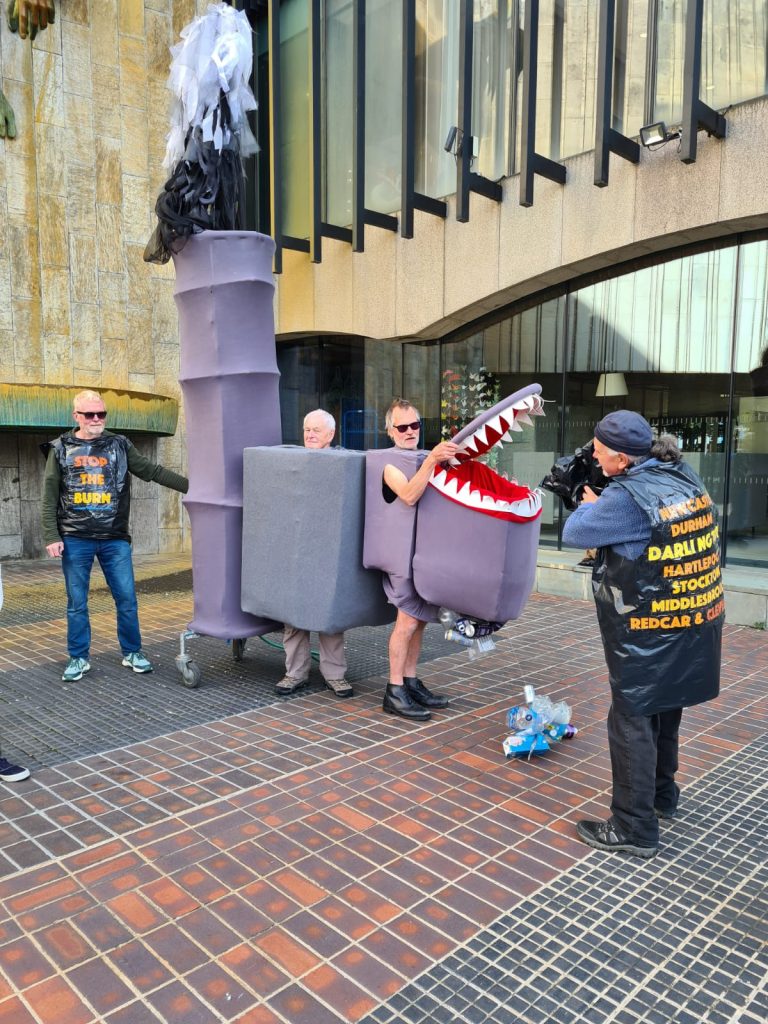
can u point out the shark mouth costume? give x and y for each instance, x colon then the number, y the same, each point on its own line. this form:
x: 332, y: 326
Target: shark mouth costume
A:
x: 490, y: 525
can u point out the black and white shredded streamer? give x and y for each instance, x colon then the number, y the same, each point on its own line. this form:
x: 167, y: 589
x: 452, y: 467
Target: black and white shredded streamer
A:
x: 209, y: 134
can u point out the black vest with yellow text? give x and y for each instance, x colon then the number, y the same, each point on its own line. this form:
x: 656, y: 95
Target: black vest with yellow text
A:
x: 95, y: 492
x: 661, y: 615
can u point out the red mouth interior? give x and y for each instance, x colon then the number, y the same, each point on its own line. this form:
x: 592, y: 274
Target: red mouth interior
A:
x: 485, y: 480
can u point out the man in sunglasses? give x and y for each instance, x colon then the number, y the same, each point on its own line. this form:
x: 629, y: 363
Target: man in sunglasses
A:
x: 406, y: 695
x: 86, y: 503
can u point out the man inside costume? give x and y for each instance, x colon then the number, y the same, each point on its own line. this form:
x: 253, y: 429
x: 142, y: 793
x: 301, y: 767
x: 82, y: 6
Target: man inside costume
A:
x: 85, y: 508
x: 319, y: 431
x: 659, y: 598
x: 406, y: 695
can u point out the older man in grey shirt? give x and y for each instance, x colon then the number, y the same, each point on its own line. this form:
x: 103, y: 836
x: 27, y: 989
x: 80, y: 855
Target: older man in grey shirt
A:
x: 319, y: 431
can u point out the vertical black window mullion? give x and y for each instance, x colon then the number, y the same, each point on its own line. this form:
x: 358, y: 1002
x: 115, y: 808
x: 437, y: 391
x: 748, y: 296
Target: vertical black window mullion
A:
x: 358, y: 128
x: 696, y: 114
x: 315, y: 135
x: 463, y: 162
x: 607, y: 139
x: 407, y: 174
x: 531, y: 162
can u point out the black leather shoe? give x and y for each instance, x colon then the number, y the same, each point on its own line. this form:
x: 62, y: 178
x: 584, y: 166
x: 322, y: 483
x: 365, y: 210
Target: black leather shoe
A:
x: 418, y: 692
x: 398, y: 701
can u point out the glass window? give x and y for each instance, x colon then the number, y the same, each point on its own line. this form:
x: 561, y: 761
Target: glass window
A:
x: 658, y: 341
x: 337, y: 108
x: 353, y: 378
x: 437, y: 94
x: 567, y: 76
x: 421, y: 374
x: 630, y: 66
x: 674, y: 317
x: 493, y: 66
x: 669, y: 18
x: 497, y: 361
x: 383, y: 104
x: 733, y: 66
x: 294, y: 117
x: 747, y: 537
x: 666, y: 341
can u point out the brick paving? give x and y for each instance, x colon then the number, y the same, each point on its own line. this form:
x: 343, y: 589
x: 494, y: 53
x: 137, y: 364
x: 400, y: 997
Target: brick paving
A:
x: 219, y: 854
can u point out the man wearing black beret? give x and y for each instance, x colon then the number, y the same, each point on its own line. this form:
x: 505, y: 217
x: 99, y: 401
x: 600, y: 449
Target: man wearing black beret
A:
x: 659, y: 598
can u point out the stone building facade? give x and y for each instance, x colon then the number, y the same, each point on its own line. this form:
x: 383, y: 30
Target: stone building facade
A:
x: 78, y: 306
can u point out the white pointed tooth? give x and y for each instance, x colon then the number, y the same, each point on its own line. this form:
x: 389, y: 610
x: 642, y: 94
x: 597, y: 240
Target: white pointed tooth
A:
x: 523, y: 417
x: 480, y: 439
x: 469, y: 446
x: 516, y: 427
x: 538, y: 408
x: 488, y: 501
x: 475, y: 499
x: 495, y: 425
x: 499, y: 443
x: 452, y: 487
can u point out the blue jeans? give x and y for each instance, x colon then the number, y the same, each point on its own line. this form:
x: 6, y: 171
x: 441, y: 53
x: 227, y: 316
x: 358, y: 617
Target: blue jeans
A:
x: 115, y: 560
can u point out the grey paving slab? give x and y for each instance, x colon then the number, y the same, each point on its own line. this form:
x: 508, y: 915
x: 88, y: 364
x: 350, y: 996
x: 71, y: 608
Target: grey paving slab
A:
x: 681, y: 939
x: 46, y: 721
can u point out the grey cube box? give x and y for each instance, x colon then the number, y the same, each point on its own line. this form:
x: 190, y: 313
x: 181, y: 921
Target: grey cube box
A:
x: 303, y: 513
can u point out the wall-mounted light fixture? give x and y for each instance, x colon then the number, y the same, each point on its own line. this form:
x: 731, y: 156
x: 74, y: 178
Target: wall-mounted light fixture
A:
x: 450, y: 145
x: 657, y: 134
x: 611, y: 385
x: 454, y: 143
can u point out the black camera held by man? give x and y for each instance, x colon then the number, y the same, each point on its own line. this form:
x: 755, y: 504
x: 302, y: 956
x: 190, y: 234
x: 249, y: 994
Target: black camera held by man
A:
x: 571, y: 474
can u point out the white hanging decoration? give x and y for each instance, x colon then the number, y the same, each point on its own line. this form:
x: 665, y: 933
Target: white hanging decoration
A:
x: 214, y: 57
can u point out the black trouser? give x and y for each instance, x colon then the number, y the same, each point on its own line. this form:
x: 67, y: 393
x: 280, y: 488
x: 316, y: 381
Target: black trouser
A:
x: 643, y: 761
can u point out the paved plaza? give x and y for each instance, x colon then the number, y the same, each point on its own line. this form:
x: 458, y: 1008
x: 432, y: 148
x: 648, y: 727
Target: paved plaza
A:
x: 219, y: 854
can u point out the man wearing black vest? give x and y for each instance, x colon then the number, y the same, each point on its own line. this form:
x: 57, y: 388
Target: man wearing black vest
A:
x: 86, y: 502
x: 659, y: 598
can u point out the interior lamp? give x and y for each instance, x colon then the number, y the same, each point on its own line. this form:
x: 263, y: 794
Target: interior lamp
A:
x: 611, y: 385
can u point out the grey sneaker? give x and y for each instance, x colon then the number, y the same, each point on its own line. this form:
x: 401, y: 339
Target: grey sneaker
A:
x: 76, y: 669
x: 668, y: 815
x: 137, y: 661
x: 290, y: 684
x: 340, y: 687
x: 604, y: 835
x: 12, y: 772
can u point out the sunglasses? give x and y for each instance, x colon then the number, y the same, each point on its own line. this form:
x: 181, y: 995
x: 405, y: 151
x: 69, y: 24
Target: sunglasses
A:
x: 402, y: 428
x: 94, y: 415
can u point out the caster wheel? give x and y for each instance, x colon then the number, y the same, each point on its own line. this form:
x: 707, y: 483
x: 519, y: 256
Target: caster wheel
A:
x: 190, y: 671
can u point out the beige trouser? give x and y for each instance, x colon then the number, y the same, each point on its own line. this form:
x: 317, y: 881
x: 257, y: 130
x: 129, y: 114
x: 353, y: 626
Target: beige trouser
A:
x: 298, y: 660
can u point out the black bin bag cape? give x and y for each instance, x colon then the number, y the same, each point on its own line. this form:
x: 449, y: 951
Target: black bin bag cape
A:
x: 661, y: 615
x: 95, y: 496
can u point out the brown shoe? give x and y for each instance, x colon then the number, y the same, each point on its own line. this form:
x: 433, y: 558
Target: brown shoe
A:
x: 289, y: 685
x: 340, y: 687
